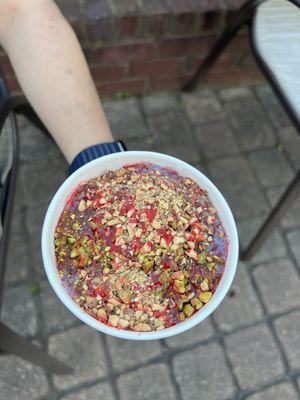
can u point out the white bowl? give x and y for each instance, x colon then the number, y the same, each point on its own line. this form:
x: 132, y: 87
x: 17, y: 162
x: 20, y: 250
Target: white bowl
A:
x: 112, y: 162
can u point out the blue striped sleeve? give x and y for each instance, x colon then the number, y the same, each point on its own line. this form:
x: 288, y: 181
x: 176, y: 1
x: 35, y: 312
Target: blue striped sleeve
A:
x: 93, y: 152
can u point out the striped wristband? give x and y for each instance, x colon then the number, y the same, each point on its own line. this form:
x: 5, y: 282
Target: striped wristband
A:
x: 93, y: 152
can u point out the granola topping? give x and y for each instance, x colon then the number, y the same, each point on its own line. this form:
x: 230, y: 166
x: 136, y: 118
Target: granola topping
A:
x: 140, y: 248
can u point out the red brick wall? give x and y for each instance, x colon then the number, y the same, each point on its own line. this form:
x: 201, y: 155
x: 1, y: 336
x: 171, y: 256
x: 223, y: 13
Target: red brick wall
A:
x: 133, y: 48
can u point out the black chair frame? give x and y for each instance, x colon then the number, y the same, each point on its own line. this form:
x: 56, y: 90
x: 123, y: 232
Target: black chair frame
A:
x: 245, y: 16
x: 10, y: 341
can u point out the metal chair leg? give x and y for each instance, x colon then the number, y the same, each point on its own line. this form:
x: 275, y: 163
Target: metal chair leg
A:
x: 284, y: 203
x: 11, y: 342
x: 244, y: 14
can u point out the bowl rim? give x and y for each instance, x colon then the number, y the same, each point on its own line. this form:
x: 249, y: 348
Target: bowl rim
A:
x: 66, y: 188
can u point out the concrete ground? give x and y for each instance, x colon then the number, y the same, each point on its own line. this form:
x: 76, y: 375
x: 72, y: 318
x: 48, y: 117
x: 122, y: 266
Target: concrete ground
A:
x: 250, y: 347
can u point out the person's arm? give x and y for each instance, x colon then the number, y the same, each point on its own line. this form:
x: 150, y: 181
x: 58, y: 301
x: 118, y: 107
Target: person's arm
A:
x: 53, y: 73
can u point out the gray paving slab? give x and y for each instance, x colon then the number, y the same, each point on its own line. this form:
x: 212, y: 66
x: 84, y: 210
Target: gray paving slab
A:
x: 291, y: 218
x: 82, y: 349
x: 19, y: 311
x: 42, y: 178
x: 125, y: 118
x: 203, y: 370
x: 126, y: 353
x: 34, y: 218
x: 56, y: 316
x: 235, y: 93
x: 143, y: 144
x: 290, y: 140
x: 251, y: 127
x: 271, y: 167
x: 20, y: 379
x: 288, y: 328
x: 272, y: 106
x: 203, y: 107
x: 237, y: 183
x: 252, y: 352
x: 274, y: 246
x: 216, y: 140
x: 199, y: 333
x: 279, y: 285
x: 148, y: 383
x: 160, y: 103
x: 241, y: 306
x: 17, y: 266
x: 280, y: 391
x: 172, y: 135
x: 96, y: 392
x: 35, y: 145
x: 293, y: 238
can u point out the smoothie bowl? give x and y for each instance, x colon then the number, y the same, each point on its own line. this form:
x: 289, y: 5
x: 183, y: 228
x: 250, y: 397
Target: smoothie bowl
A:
x: 139, y: 245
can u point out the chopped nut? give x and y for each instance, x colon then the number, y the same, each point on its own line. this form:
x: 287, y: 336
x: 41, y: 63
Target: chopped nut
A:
x: 113, y: 320
x: 156, y: 224
x: 204, y: 285
x: 181, y: 316
x: 141, y: 327
x: 192, y: 254
x: 101, y: 314
x: 163, y: 243
x: 201, y: 258
x: 178, y: 275
x: 196, y: 303
x: 188, y: 310
x: 179, y: 286
x: 205, y: 296
x: 81, y: 206
x: 148, y: 266
x: 123, y: 323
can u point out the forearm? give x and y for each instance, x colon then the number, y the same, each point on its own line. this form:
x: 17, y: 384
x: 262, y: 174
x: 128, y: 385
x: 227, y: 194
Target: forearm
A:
x: 54, y: 76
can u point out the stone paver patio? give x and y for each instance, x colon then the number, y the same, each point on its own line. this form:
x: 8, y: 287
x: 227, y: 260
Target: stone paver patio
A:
x: 250, y: 347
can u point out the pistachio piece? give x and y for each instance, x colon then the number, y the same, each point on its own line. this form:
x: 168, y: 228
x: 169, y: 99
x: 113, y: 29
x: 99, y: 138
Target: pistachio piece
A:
x: 101, y: 314
x: 204, y: 285
x: 192, y: 254
x: 210, y: 266
x: 178, y: 275
x: 188, y: 310
x: 179, y: 286
x: 205, y: 296
x: 148, y: 266
x: 71, y: 240
x: 201, y: 258
x: 74, y: 253
x: 181, y: 316
x: 196, y: 303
